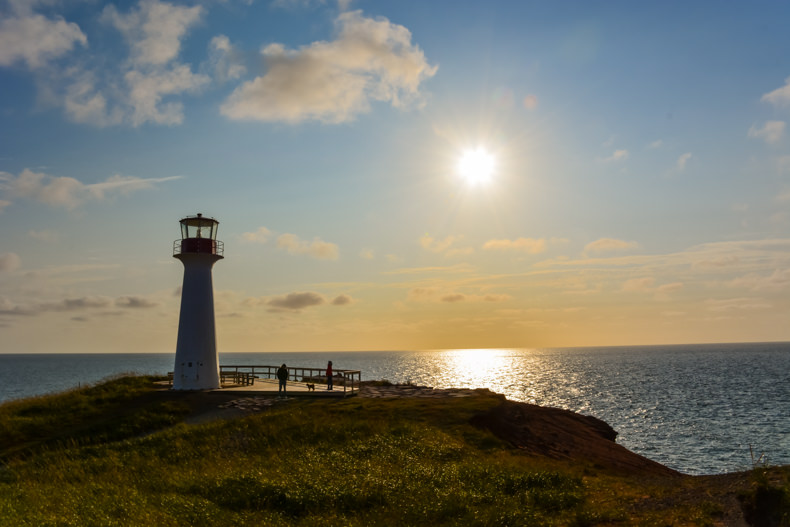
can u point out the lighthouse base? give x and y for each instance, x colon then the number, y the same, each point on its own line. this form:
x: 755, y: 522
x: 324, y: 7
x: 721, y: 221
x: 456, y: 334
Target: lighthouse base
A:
x: 196, y: 375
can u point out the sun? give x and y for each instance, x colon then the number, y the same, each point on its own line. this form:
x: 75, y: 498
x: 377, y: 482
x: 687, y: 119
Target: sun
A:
x: 476, y: 167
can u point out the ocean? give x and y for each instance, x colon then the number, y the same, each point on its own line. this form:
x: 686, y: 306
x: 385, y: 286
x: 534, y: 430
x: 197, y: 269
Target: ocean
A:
x: 695, y: 408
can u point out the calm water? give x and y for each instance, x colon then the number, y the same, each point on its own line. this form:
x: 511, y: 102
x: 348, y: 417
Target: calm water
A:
x: 694, y: 408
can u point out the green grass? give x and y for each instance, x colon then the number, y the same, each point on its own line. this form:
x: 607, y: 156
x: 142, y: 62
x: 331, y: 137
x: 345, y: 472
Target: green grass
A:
x: 109, y: 411
x: 118, y: 454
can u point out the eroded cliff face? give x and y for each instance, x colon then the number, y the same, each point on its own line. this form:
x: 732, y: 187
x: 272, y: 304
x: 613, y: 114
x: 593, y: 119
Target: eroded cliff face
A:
x: 562, y: 434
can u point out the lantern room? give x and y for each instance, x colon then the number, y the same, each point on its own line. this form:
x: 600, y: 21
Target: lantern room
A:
x: 198, y: 235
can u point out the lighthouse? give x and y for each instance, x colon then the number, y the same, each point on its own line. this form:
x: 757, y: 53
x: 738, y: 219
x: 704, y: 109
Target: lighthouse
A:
x: 197, y: 364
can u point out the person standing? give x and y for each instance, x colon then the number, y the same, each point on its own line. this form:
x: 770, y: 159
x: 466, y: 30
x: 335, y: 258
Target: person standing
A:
x: 282, y: 374
x: 329, y: 376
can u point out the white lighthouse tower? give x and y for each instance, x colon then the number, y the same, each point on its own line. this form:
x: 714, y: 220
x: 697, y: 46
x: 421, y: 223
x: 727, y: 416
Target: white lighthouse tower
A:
x: 197, y: 364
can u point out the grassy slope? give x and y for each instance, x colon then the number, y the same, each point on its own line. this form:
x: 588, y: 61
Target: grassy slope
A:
x: 120, y: 454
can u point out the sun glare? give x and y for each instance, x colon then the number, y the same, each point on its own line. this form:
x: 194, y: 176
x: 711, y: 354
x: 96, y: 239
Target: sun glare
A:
x: 476, y: 166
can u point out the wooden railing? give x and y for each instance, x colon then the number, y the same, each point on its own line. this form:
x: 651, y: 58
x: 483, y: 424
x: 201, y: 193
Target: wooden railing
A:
x: 349, y: 379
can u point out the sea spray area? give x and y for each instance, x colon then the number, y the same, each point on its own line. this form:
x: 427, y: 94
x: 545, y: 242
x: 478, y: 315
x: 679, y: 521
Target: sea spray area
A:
x: 696, y: 409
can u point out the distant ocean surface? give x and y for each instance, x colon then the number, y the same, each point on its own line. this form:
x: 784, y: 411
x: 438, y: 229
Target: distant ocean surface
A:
x: 695, y: 408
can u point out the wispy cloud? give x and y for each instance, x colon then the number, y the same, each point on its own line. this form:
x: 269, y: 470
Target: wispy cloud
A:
x: 445, y: 247
x: 737, y: 304
x: 225, y: 61
x: 617, y: 155
x: 780, y: 96
x: 525, y: 245
x: 96, y: 302
x: 318, y: 249
x: 70, y: 193
x: 608, y: 245
x: 154, y: 29
x: 135, y: 302
x: 682, y: 161
x: 771, y: 132
x: 333, y: 82
x: 442, y: 295
x: 262, y: 235
x: 145, y: 88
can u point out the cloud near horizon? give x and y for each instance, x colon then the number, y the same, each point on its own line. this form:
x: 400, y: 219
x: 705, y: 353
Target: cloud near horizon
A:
x: 9, y: 262
x: 333, y: 82
x: 8, y: 307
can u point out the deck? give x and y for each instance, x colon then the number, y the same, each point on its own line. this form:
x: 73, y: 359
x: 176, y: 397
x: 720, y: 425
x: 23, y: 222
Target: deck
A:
x: 261, y: 380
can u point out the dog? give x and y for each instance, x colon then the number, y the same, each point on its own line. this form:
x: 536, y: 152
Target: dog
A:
x: 310, y: 387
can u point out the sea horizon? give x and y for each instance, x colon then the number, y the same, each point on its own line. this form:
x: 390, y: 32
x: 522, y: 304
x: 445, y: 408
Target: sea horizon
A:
x: 588, y: 346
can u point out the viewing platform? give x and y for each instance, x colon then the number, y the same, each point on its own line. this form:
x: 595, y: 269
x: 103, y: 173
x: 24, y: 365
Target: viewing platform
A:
x: 261, y: 380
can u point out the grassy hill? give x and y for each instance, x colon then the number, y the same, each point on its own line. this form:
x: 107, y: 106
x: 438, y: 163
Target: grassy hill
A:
x: 127, y: 452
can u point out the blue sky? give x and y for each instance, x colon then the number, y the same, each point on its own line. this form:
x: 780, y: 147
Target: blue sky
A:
x: 640, y: 195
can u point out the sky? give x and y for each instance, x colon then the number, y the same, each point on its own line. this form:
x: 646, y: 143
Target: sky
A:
x: 636, y: 187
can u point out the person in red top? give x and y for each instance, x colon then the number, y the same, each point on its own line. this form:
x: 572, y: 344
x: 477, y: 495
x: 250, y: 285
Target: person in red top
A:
x: 329, y: 376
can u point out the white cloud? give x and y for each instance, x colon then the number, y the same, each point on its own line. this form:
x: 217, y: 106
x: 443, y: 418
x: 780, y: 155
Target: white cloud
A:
x: 682, y: 160
x: 141, y: 89
x: 224, y: 60
x: 84, y: 104
x: 154, y: 30
x: 35, y: 39
x: 527, y: 245
x: 780, y: 96
x: 771, y: 132
x: 317, y: 249
x: 147, y: 89
x: 332, y: 82
x: 658, y: 143
x: 262, y: 235
x: 68, y: 192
